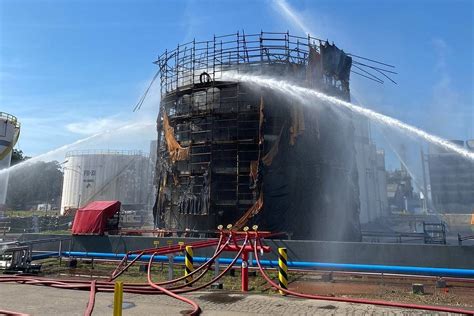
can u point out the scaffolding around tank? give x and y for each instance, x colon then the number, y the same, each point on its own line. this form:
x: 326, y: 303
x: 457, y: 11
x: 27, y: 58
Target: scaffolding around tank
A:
x: 229, y: 152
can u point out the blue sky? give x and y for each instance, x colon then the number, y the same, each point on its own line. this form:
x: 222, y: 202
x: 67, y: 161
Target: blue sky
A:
x: 70, y: 69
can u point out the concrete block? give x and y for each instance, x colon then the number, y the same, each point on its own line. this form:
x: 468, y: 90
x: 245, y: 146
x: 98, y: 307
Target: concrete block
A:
x: 418, y: 288
x: 72, y: 263
x: 143, y: 267
x: 327, y: 277
x: 441, y: 283
x: 217, y: 286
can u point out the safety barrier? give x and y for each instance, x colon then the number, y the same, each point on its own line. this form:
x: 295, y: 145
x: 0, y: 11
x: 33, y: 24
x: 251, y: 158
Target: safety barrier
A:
x: 283, y: 269
x: 188, y: 263
x: 118, y: 298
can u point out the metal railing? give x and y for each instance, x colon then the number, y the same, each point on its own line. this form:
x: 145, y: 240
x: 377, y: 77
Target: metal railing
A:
x: 204, y: 61
x: 10, y: 118
x: 464, y: 238
x: 186, y: 64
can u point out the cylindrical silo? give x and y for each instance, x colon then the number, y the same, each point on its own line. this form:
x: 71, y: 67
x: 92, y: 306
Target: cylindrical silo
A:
x: 233, y: 152
x: 9, y: 133
x: 96, y: 175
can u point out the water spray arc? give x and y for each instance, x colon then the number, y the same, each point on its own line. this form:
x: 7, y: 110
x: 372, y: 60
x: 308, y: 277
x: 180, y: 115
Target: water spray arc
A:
x: 298, y: 91
x: 46, y: 156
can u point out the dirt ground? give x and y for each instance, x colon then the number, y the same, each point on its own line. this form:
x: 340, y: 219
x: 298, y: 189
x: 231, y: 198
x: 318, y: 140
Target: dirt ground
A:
x: 456, y: 294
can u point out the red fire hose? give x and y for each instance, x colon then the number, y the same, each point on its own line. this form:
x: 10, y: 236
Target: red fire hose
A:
x: 108, y: 286
x: 220, y: 248
x: 220, y: 275
x: 156, y: 288
x: 355, y: 300
x: 90, y: 305
x: 10, y: 313
x: 196, y: 309
x: 162, y: 250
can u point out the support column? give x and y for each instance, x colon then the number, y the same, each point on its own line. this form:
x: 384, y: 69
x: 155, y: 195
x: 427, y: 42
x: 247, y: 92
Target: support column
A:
x: 245, y: 271
x: 188, y: 263
x: 282, y: 269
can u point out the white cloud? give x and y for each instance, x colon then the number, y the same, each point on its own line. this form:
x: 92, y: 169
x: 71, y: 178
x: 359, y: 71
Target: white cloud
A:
x: 93, y: 125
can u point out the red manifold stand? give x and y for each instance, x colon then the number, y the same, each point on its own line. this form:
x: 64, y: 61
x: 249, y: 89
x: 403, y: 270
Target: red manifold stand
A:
x: 245, y: 254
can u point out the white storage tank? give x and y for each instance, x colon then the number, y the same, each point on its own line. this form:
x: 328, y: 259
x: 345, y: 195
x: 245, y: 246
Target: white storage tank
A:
x: 95, y: 175
x: 9, y: 133
x: 371, y: 172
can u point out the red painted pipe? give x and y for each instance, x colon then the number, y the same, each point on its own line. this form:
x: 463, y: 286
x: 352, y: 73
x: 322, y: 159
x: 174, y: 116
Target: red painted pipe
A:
x: 355, y: 300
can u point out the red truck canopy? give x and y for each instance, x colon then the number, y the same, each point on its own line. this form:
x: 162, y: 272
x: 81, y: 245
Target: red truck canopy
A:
x: 92, y: 218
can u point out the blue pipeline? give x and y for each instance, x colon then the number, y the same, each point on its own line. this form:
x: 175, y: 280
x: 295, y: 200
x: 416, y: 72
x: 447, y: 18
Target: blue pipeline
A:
x: 119, y: 256
x: 446, y: 272
x: 44, y: 256
x: 461, y: 273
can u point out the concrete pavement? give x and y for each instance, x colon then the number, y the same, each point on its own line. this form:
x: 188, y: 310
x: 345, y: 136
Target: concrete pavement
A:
x: 41, y: 300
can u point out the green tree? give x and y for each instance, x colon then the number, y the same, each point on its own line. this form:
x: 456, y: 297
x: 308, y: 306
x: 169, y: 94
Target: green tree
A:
x: 18, y: 156
x: 35, y: 183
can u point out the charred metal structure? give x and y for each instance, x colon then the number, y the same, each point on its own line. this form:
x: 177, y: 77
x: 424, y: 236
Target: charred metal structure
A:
x: 233, y: 153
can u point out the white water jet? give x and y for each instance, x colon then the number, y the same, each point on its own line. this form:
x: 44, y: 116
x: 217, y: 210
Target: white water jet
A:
x: 284, y: 8
x: 64, y: 148
x: 298, y: 91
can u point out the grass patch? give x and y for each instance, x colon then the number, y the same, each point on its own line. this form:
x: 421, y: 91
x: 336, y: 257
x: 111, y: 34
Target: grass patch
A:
x: 159, y: 270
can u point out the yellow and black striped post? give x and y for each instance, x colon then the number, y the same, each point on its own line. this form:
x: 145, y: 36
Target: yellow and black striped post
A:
x: 188, y: 263
x: 118, y: 298
x: 282, y: 269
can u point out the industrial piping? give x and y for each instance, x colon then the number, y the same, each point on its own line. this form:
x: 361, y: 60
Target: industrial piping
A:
x: 133, y: 288
x: 441, y: 272
x: 145, y: 288
x: 196, y: 309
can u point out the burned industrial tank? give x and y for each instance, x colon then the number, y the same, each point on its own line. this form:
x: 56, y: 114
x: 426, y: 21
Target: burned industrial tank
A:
x: 232, y: 153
